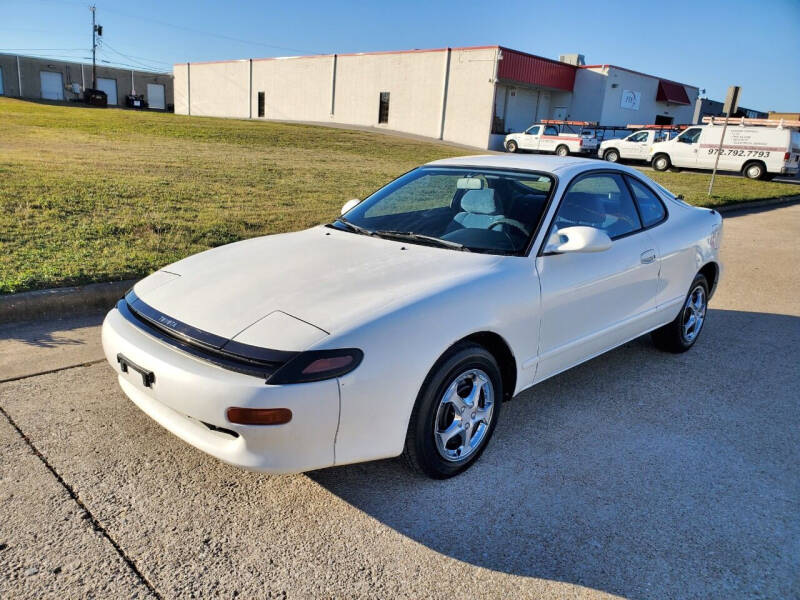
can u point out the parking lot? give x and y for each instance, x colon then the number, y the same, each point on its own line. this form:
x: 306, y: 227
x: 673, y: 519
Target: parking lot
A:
x: 638, y: 474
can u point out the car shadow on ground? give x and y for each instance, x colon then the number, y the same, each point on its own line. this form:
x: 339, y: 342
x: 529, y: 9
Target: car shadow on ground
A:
x: 639, y: 473
x: 49, y: 333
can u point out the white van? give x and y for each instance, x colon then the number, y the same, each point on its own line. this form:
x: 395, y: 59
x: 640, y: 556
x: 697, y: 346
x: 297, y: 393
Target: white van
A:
x: 634, y: 147
x: 757, y: 151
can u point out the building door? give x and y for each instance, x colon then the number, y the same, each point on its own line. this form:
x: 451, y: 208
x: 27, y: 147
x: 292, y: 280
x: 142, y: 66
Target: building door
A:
x: 109, y: 86
x: 52, y: 85
x: 662, y: 120
x: 560, y: 113
x: 155, y: 96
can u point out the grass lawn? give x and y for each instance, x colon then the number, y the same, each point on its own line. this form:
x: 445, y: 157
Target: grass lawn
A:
x: 96, y: 195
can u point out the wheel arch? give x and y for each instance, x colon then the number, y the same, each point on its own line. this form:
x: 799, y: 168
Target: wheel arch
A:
x: 499, y: 348
x: 710, y: 271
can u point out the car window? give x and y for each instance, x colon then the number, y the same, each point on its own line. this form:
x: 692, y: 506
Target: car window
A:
x: 484, y: 210
x: 638, y: 137
x: 601, y: 201
x: 534, y: 130
x: 690, y: 135
x: 550, y: 130
x: 650, y: 206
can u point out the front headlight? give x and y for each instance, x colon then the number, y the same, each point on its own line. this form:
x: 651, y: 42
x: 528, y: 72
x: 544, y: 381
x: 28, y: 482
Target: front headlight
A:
x: 317, y: 365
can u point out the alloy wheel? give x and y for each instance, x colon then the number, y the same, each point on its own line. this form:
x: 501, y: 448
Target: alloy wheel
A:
x: 464, y: 414
x: 694, y: 313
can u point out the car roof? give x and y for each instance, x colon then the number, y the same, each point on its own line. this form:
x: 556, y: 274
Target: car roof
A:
x: 532, y: 162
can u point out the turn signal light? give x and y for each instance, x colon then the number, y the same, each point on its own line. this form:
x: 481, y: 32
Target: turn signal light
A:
x: 258, y: 416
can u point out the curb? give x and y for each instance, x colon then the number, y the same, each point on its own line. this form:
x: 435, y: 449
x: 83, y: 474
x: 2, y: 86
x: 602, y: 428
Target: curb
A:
x: 62, y: 302
x: 756, y: 204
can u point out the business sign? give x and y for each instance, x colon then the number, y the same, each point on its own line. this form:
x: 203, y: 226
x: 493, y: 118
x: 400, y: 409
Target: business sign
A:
x: 630, y: 99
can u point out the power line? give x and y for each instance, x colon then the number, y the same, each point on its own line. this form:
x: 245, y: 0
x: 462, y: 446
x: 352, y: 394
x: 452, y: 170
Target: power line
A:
x: 134, y: 58
x: 209, y: 33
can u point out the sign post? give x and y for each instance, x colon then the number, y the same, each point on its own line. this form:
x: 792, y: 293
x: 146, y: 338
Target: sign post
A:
x: 731, y: 103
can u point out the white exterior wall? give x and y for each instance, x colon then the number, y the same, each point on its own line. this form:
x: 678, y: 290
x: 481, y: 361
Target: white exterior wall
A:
x: 613, y: 114
x: 588, y: 96
x: 415, y: 82
x: 295, y: 89
x: 218, y: 89
x: 300, y: 89
x: 470, y: 94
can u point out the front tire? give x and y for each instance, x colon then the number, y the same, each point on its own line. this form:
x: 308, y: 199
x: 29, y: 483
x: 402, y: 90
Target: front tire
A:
x: 511, y: 146
x: 681, y: 334
x: 611, y: 155
x: 455, y: 413
x: 562, y: 150
x: 661, y: 162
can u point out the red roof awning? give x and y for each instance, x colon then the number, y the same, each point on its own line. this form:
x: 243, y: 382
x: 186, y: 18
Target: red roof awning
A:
x: 534, y: 70
x: 672, y: 92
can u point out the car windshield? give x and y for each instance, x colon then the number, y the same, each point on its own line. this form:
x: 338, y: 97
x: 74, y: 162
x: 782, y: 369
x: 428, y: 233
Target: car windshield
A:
x: 480, y: 210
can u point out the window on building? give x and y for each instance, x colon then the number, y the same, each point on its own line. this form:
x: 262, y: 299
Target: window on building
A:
x: 383, y: 108
x: 662, y: 120
x: 262, y: 101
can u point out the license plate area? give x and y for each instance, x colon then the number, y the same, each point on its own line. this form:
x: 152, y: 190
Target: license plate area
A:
x: 126, y: 365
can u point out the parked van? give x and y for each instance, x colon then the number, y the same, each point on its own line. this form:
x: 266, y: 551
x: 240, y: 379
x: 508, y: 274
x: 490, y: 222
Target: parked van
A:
x: 545, y: 137
x: 757, y: 148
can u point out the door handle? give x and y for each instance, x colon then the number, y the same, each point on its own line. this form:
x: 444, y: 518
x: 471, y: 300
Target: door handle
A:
x: 648, y: 256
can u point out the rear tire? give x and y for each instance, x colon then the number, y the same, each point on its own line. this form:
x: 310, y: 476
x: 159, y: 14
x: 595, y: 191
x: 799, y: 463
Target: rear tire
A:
x: 661, y: 162
x: 562, y: 150
x: 611, y: 155
x: 681, y: 334
x: 511, y: 146
x: 456, y: 412
x: 754, y: 170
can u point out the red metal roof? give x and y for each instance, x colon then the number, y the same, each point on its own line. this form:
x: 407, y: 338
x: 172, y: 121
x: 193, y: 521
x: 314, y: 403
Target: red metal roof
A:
x: 672, y: 92
x: 535, y: 70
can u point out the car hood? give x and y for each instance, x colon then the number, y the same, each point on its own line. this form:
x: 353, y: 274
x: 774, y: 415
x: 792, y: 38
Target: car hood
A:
x: 289, y: 291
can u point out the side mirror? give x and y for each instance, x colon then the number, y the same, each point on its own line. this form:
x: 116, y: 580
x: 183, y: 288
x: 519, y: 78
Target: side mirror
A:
x: 350, y: 204
x: 578, y: 239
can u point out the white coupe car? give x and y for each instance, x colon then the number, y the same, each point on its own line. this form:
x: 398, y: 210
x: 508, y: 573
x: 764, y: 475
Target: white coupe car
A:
x: 401, y: 327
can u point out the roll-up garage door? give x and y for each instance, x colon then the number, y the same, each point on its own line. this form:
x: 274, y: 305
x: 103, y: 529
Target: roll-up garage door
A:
x: 109, y: 86
x: 52, y: 85
x: 155, y: 96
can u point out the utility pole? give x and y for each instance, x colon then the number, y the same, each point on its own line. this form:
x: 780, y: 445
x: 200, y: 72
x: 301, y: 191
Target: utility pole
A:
x: 731, y: 103
x: 97, y: 31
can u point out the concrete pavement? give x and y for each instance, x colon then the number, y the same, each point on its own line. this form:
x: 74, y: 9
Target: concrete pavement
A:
x: 639, y: 474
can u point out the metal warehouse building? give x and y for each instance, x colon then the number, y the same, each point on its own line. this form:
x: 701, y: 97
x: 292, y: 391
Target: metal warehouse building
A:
x: 47, y: 79
x: 466, y: 95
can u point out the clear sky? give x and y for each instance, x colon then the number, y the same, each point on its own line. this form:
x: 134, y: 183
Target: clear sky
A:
x: 710, y: 44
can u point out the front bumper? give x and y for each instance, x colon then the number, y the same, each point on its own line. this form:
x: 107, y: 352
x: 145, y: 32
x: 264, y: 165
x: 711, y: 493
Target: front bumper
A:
x: 188, y: 395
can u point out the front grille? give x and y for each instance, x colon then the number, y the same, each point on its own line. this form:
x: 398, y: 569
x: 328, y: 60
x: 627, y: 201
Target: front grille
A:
x: 225, y: 353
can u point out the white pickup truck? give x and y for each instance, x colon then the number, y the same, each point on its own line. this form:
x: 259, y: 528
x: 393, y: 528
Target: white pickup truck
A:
x: 546, y: 138
x: 634, y: 147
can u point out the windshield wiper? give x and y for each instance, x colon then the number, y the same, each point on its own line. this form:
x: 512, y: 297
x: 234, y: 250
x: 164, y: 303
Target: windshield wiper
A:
x: 410, y: 235
x: 355, y: 228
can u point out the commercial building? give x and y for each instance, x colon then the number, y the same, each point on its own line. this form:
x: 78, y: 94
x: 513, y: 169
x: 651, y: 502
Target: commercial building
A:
x: 468, y: 95
x: 46, y: 79
x: 704, y: 107
x: 786, y: 116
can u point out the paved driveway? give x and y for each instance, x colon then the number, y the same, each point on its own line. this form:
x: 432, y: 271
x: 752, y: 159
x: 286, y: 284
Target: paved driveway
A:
x: 639, y: 474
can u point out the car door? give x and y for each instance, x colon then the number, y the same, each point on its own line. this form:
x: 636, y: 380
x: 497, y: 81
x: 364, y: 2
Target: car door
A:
x: 593, y: 301
x: 683, y: 152
x: 529, y: 140
x: 640, y: 148
x: 549, y: 139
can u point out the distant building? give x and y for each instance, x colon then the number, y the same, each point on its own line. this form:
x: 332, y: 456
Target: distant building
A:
x: 704, y: 107
x: 470, y: 95
x: 788, y: 116
x: 46, y: 79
